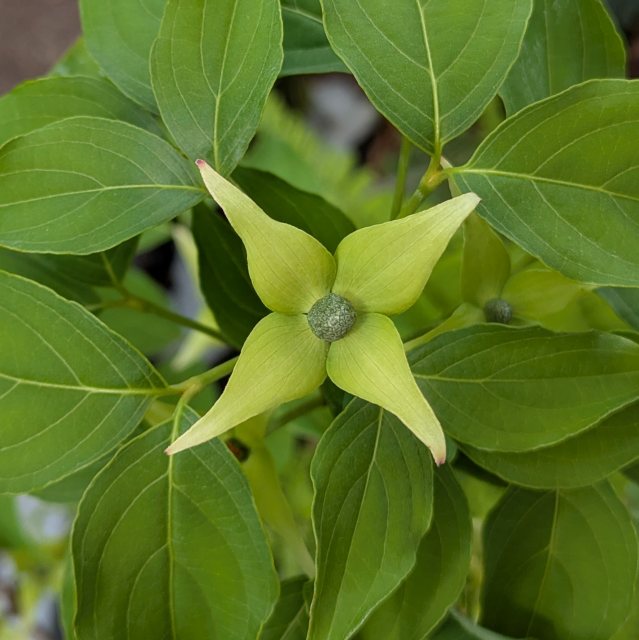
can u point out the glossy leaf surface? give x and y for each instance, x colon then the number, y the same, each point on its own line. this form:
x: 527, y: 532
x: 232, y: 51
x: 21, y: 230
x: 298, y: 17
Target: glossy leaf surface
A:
x: 77, y: 61
x: 430, y: 80
x: 43, y: 269
x: 567, y: 42
x: 156, y: 538
x: 576, y: 462
x: 40, y: 102
x: 212, y: 66
x: 576, y: 552
x: 79, y: 394
x: 502, y: 389
x: 373, y: 504
x: 306, y: 49
x: 439, y: 575
x: 119, y: 35
x: 625, y: 302
x: 289, y: 620
x: 560, y: 179
x: 84, y: 184
x: 98, y: 269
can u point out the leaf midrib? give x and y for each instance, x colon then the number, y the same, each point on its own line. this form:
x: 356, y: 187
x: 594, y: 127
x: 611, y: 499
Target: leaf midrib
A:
x: 534, y: 178
x: 549, y: 557
x: 371, y: 464
x: 433, y: 82
x: 64, y: 194
x: 126, y: 391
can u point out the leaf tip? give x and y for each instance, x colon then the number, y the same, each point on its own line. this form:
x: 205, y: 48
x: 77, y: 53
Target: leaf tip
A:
x: 472, y: 197
x: 439, y: 459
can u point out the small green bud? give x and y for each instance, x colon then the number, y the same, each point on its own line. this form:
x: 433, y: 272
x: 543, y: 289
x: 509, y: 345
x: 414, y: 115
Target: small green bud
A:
x: 331, y: 317
x: 498, y: 310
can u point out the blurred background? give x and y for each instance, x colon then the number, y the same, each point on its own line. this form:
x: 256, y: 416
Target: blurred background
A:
x: 33, y: 36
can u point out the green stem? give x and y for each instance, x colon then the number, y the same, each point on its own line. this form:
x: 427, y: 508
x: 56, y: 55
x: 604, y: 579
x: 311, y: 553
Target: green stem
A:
x: 402, y: 173
x: 135, y: 302
x: 179, y: 408
x: 141, y: 304
x: 433, y: 177
x: 212, y: 375
x: 195, y: 384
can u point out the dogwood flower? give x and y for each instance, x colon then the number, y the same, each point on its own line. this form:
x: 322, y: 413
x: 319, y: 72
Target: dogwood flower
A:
x: 330, y: 313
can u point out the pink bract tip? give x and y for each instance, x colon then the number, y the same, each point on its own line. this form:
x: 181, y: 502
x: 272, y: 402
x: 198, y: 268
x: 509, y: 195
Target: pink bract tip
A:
x: 200, y: 163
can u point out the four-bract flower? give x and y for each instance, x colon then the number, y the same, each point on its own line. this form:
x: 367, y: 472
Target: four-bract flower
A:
x: 329, y: 313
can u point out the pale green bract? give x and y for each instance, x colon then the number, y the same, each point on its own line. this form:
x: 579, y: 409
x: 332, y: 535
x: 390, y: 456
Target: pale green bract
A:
x: 379, y: 270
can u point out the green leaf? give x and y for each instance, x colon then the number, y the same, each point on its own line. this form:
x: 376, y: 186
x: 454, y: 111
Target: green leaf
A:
x: 84, y: 184
x: 212, y: 66
x: 281, y: 360
x: 145, y: 331
x: 576, y: 462
x: 384, y: 268
x: 429, y: 67
x: 76, y: 61
x: 567, y: 42
x: 504, y: 389
x: 37, y: 103
x: 289, y: 268
x: 224, y: 277
x: 370, y: 362
x: 439, y: 575
x: 99, y: 269
x: 287, y: 148
x: 71, y: 487
x: 457, y: 627
x: 560, y: 179
x: 44, y: 269
x: 373, y: 503
x: 71, y: 276
x: 67, y: 600
x: 289, y: 620
x: 81, y: 390
x: 285, y: 203
x: 119, y: 35
x: 171, y: 547
x: 486, y: 263
x: 559, y: 564
x: 625, y: 302
x: 306, y: 49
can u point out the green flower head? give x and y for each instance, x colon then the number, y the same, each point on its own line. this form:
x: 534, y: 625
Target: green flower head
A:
x: 329, y: 313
